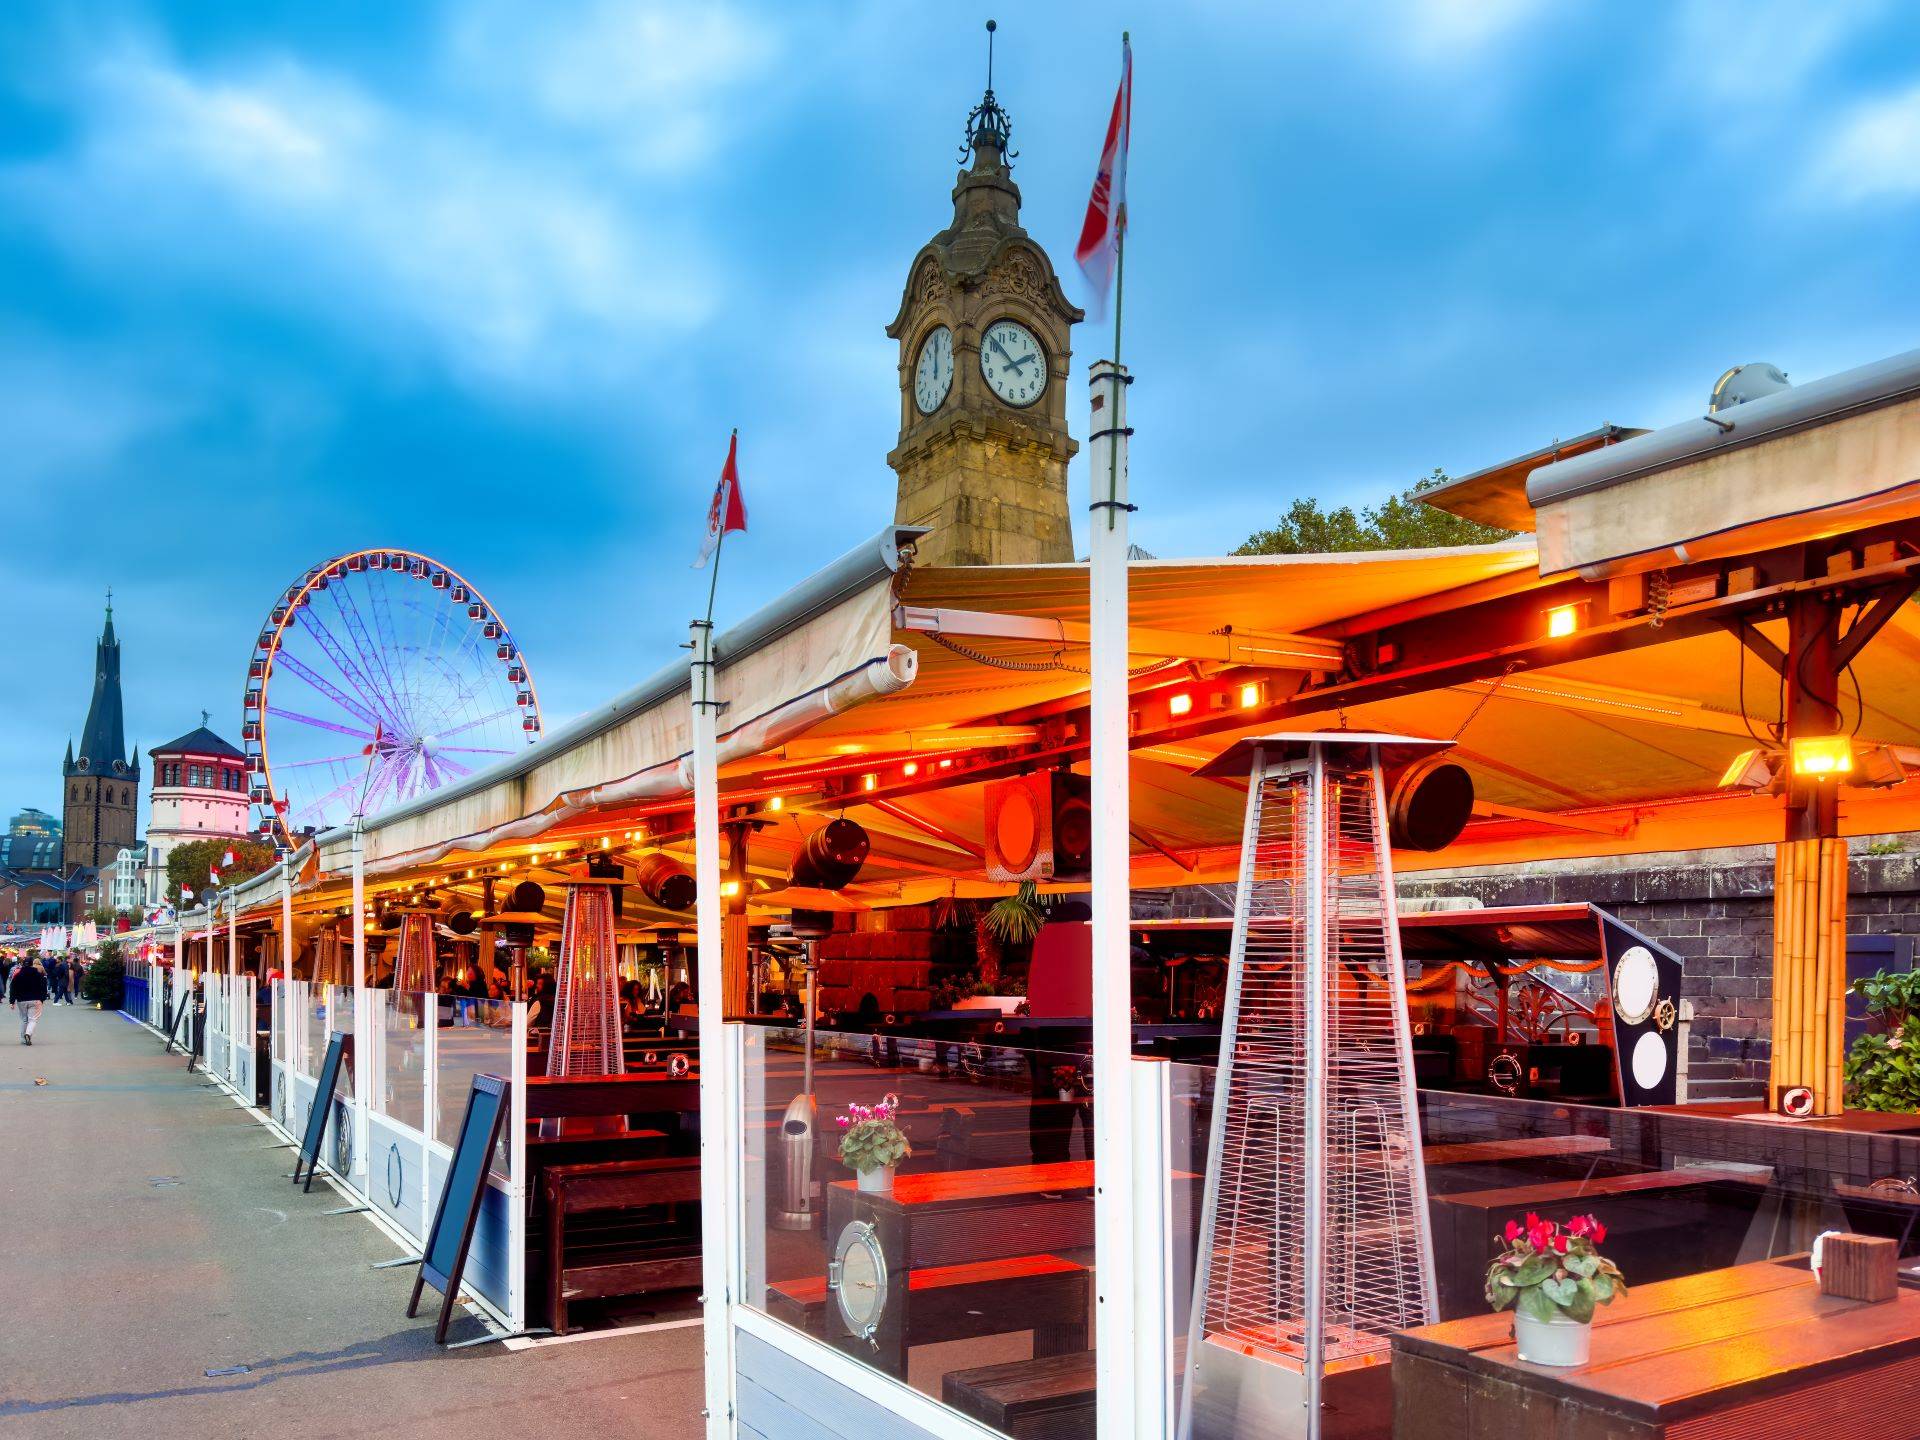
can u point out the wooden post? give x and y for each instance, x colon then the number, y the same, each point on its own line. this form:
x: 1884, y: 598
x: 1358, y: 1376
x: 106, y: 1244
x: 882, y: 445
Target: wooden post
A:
x: 1810, y: 879
x: 735, y: 960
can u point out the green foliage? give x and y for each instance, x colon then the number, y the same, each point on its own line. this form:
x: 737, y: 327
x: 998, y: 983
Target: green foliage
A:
x: 1891, y: 845
x: 106, y: 982
x: 949, y: 993
x: 1546, y: 1272
x: 1891, y: 996
x: 869, y: 1139
x: 1015, y: 919
x: 1883, y: 1067
x: 1402, y: 522
x: 188, y: 864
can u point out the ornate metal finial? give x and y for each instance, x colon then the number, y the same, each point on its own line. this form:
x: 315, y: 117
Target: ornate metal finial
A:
x: 987, y: 123
x: 109, y: 602
x: 206, y: 718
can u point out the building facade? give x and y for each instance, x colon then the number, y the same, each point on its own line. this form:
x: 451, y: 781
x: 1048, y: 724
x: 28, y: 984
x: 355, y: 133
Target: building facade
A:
x: 199, y: 792
x: 101, y: 800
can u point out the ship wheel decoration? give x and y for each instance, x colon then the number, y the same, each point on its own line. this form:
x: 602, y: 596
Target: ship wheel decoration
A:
x: 382, y: 670
x: 1664, y: 1015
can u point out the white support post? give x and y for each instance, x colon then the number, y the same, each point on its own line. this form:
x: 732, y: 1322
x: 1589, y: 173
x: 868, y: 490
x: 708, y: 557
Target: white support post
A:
x: 286, y: 917
x: 717, y: 1200
x: 1153, y: 1230
x: 362, y: 1028
x: 1118, y: 1363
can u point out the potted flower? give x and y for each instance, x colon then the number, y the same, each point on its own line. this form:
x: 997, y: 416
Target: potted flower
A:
x: 871, y: 1144
x: 1553, y: 1278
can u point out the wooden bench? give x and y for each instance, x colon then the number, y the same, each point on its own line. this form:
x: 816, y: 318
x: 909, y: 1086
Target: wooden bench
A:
x: 626, y: 1259
x: 1661, y: 1223
x: 1041, y: 1293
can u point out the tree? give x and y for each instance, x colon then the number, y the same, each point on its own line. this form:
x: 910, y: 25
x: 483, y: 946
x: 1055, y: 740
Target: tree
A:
x: 188, y: 864
x: 106, y: 982
x: 1403, y: 522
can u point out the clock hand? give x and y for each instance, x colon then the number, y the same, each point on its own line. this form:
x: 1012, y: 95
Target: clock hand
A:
x: 1001, y: 348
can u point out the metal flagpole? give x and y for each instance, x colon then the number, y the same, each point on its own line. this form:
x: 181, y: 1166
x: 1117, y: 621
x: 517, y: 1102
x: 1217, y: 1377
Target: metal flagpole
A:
x: 716, y: 1164
x: 1123, y: 1376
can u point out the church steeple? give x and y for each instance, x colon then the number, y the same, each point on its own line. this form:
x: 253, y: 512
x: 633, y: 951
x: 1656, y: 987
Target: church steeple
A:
x: 102, y: 783
x: 103, y: 742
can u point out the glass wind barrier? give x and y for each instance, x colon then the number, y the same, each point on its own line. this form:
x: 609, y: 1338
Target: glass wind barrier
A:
x: 972, y: 1254
x: 475, y: 1037
x: 400, y: 1066
x: 1679, y: 1194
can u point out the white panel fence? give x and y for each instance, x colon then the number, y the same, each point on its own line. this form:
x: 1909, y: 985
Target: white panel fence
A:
x: 423, y: 1051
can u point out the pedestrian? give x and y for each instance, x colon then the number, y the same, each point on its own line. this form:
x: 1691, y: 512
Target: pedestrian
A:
x: 27, y: 993
x: 57, y: 976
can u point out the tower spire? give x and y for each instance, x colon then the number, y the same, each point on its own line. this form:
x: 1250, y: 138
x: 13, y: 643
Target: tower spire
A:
x: 989, y: 127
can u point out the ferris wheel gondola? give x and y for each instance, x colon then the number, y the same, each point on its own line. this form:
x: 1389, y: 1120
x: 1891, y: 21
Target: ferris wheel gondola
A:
x: 377, y: 677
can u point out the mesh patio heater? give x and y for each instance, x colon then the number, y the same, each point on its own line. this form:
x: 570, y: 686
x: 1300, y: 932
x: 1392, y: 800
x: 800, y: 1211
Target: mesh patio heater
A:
x: 414, y: 970
x: 1314, y: 1245
x: 586, y: 1005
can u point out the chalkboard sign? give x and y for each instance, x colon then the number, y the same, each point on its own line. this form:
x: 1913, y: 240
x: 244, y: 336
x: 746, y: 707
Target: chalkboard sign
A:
x: 339, y: 1050
x: 450, y: 1237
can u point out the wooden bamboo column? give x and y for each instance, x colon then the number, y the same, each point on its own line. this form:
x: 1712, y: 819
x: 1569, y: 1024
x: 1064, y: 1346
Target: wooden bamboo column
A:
x: 1810, y: 970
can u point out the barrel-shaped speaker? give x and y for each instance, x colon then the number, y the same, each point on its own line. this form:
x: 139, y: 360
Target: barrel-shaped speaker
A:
x: 832, y: 855
x: 1428, y: 804
x: 665, y: 882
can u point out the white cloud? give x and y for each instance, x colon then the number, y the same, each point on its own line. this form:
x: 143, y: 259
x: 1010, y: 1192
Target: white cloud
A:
x: 274, y: 180
x: 1759, y: 52
x: 658, y: 82
x: 1873, y: 151
x: 1444, y: 31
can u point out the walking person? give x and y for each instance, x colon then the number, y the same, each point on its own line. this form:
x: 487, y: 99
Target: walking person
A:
x: 27, y: 993
x: 56, y: 974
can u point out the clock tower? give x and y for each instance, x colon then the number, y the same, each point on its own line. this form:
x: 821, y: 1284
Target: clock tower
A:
x: 985, y: 336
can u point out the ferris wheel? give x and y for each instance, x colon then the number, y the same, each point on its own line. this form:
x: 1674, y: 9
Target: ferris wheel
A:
x: 378, y: 677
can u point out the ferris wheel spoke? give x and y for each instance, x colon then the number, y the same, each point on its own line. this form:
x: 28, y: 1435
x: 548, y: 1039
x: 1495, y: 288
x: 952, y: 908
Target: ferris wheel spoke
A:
x: 389, y: 648
x: 320, y: 724
x: 346, y: 759
x: 317, y: 807
x: 441, y: 762
x: 362, y: 683
x: 375, y: 653
x: 484, y: 719
x: 468, y: 750
x: 327, y: 688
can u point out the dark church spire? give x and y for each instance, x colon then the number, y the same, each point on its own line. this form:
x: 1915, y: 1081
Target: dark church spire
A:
x: 103, y: 743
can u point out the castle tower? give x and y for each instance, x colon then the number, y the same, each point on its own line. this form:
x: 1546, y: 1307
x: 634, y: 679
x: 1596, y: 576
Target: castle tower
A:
x: 985, y: 336
x: 101, y: 799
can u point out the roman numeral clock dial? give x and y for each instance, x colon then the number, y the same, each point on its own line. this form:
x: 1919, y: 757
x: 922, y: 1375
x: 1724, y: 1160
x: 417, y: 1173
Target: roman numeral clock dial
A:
x: 1012, y: 362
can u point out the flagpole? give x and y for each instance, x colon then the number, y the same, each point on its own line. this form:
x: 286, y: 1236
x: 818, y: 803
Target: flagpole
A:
x: 713, y: 581
x: 1119, y: 287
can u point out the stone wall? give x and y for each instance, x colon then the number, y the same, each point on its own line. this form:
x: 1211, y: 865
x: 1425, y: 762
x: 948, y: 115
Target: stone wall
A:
x: 1712, y: 908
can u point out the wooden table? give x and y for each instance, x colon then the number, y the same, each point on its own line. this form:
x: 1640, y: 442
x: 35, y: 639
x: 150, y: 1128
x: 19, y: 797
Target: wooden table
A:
x: 1754, y: 1352
x: 1525, y: 1147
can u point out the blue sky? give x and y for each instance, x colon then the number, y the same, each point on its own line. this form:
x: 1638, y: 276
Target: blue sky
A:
x: 492, y: 280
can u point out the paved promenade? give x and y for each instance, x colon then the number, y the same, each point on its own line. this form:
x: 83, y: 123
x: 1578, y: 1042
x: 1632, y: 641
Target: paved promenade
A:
x: 151, y: 1238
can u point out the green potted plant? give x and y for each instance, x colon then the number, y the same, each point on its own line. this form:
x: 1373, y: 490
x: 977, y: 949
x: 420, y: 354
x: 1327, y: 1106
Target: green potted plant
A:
x: 1553, y: 1279
x: 1883, y: 1066
x: 871, y: 1144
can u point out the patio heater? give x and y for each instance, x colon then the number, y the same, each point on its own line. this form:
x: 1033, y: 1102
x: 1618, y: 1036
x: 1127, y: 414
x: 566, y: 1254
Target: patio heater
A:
x: 414, y: 970
x: 586, y: 1005
x: 526, y: 908
x: 1314, y: 1238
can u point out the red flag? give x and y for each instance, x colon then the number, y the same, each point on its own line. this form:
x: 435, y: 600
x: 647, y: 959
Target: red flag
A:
x: 729, y: 510
x: 373, y: 744
x: 1106, y: 218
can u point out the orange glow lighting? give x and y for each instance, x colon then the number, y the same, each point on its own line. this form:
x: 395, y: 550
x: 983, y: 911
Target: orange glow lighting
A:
x: 1562, y: 620
x: 1179, y: 704
x: 1249, y: 696
x: 1818, y: 756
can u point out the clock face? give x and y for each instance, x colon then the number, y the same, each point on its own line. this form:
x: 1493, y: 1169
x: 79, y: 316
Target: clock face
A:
x: 862, y: 1287
x: 933, y: 372
x: 1013, y: 363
